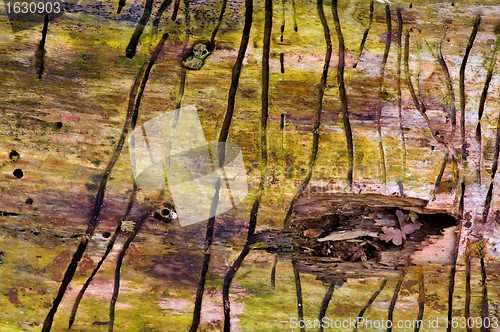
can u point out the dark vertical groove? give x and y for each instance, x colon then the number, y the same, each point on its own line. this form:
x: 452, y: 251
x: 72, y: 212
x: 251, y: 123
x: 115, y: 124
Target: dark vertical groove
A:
x: 130, y: 122
x: 399, y: 36
x: 131, y: 200
x: 418, y: 104
x: 268, y: 25
x: 139, y: 29
x: 273, y: 272
x: 94, y: 272
x: 219, y: 21
x: 421, y: 108
x: 183, y: 74
x: 421, y: 299
x: 228, y: 279
x: 487, y: 201
x: 324, y: 305
x: 494, y: 168
x: 283, y: 158
x: 451, y: 287
x: 163, y: 7
x: 461, y: 202
x: 176, y: 9
x: 40, y: 51
x: 462, y: 85
x: 343, y: 96
x: 484, y: 294
x: 109, y: 247
x: 206, y: 262
x: 235, y: 77
x: 388, y: 21
x: 294, y: 14
x: 282, y: 28
x: 456, y: 174
x: 298, y: 291
x: 382, y: 77
x: 119, y: 261
x: 395, y: 299
x: 365, y: 34
x: 453, y: 271
x: 182, y: 88
x: 144, y: 81
x: 282, y: 63
x: 449, y: 87
x: 406, y: 60
x: 467, y: 291
x: 180, y: 93
x: 453, y: 116
x: 370, y: 301
x: 121, y: 4
x: 482, y: 102
x: 440, y: 174
x: 223, y: 135
x: 317, y: 113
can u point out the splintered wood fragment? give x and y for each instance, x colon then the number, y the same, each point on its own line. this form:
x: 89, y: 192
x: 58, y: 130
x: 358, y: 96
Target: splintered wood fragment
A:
x: 347, y: 235
x: 313, y: 232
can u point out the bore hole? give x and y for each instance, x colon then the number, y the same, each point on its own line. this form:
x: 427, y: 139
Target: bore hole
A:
x: 453, y: 4
x: 29, y: 201
x: 18, y: 173
x: 106, y: 235
x: 411, y: 5
x: 58, y: 125
x: 14, y: 155
x: 165, y: 212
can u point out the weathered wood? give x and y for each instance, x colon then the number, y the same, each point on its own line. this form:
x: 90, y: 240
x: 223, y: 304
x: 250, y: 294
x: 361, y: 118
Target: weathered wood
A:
x: 347, y: 235
x: 59, y: 133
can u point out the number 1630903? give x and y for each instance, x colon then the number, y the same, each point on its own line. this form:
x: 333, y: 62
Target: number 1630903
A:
x: 33, y: 7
